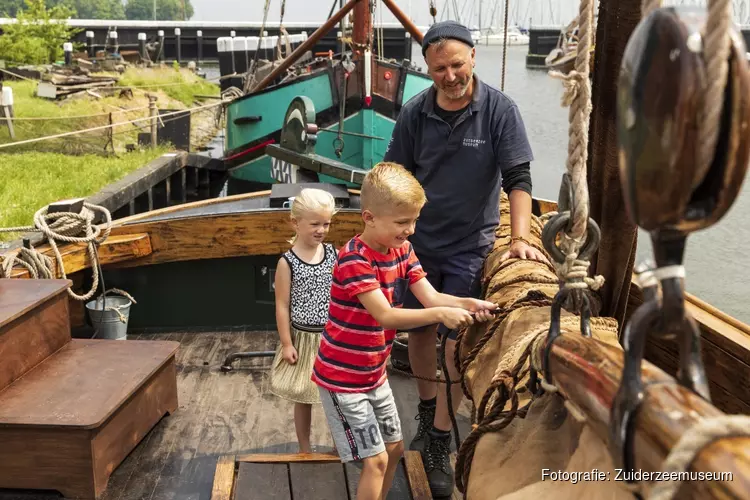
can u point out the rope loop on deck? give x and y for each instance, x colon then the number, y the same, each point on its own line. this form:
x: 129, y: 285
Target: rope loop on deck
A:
x: 67, y: 227
x: 692, y: 441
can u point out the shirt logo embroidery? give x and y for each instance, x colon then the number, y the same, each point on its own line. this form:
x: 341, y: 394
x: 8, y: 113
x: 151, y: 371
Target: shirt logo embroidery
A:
x: 473, y: 143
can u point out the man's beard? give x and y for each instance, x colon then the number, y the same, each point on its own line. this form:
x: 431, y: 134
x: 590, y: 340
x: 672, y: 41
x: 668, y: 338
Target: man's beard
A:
x: 456, y: 92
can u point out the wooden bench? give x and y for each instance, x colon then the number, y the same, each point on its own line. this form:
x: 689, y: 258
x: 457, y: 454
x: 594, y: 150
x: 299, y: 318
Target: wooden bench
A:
x: 312, y: 476
x: 72, y: 409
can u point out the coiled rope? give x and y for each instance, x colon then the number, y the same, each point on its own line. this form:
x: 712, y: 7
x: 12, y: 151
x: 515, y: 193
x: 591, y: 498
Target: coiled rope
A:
x: 67, y: 227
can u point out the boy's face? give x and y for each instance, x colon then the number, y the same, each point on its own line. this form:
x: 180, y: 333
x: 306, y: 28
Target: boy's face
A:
x: 390, y: 228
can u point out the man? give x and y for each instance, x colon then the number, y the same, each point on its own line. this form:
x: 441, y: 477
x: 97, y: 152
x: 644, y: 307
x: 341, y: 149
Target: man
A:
x: 462, y: 140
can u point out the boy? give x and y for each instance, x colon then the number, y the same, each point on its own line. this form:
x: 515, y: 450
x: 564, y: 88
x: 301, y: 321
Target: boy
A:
x: 370, y: 279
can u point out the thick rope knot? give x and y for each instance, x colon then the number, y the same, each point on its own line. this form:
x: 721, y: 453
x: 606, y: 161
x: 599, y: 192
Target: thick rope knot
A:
x: 572, y: 84
x: 67, y: 227
x: 574, y: 272
x: 691, y: 443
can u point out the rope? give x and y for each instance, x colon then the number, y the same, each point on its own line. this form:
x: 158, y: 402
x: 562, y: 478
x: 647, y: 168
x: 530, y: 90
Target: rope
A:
x: 65, y: 227
x: 102, y: 127
x: 577, y: 95
x: 505, y: 44
x: 715, y: 55
x: 51, y: 118
x: 691, y: 443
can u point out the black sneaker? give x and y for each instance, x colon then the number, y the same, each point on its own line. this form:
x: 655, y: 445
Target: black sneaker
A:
x: 437, y: 465
x: 425, y: 415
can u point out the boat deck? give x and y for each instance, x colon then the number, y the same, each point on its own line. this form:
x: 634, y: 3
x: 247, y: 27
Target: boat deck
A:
x: 221, y: 414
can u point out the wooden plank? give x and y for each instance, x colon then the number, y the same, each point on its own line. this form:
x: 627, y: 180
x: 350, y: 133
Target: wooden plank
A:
x: 263, y: 482
x: 31, y: 338
x: 20, y: 297
x: 82, y: 384
x: 228, y: 235
x: 316, y: 481
x: 420, y: 488
x: 114, y: 249
x: 223, y: 479
x: 272, y: 458
x: 191, y: 206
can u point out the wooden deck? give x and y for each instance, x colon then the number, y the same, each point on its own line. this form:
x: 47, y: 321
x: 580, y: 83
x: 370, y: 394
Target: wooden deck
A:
x: 222, y: 414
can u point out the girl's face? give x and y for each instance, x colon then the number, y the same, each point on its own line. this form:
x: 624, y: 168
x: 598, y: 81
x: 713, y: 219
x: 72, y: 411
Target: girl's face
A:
x: 312, y: 228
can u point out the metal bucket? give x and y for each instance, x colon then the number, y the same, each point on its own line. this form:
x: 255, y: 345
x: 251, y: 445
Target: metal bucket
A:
x: 107, y: 323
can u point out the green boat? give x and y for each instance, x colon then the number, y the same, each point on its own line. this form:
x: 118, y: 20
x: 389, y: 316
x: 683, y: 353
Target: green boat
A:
x: 341, y: 107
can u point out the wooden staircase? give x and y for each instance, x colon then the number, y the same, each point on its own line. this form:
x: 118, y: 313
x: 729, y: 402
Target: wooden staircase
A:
x: 72, y: 409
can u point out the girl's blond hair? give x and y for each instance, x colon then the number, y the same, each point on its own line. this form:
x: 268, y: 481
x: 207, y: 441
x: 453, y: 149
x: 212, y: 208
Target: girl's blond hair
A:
x: 311, y: 200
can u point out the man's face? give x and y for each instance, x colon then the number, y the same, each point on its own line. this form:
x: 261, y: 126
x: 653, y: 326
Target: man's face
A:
x: 451, y: 66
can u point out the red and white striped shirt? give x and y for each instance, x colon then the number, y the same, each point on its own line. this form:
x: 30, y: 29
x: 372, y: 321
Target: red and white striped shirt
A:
x: 353, y: 346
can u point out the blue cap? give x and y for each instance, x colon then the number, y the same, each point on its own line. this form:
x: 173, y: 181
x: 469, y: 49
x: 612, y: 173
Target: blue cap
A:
x: 447, y: 29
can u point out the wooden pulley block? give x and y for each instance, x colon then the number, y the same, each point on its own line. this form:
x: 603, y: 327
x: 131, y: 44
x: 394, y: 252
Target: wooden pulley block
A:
x: 660, y: 88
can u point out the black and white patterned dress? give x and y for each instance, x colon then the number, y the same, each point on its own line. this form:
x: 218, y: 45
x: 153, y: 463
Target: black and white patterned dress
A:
x: 310, y: 289
x: 310, y: 292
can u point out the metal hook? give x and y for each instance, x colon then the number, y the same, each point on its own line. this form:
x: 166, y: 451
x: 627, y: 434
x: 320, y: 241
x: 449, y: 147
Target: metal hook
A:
x: 556, y: 225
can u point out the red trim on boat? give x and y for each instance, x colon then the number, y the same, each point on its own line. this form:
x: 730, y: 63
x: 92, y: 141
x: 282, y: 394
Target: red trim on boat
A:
x: 250, y: 150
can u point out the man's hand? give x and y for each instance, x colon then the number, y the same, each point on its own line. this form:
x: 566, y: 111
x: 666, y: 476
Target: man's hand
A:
x: 521, y: 250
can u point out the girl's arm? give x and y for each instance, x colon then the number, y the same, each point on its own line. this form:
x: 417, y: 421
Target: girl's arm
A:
x: 282, y: 290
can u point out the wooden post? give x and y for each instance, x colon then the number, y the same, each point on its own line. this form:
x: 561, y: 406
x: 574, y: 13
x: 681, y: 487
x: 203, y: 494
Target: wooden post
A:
x: 178, y: 44
x: 6, y: 105
x: 153, y: 112
x: 307, y: 45
x: 405, y: 21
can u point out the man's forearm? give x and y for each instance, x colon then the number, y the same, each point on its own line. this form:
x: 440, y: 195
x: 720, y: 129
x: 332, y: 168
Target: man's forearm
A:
x: 520, y: 213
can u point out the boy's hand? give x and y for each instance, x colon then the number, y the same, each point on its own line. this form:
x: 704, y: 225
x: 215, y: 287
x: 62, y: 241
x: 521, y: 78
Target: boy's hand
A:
x: 289, y: 353
x: 455, y: 317
x: 482, y: 309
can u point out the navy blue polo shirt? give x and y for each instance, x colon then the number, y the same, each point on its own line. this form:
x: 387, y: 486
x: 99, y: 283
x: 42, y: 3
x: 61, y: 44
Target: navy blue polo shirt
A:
x: 460, y: 169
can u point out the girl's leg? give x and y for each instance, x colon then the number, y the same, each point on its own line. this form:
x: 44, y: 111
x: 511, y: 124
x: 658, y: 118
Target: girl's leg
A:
x: 371, y: 479
x: 302, y: 419
x: 394, y: 451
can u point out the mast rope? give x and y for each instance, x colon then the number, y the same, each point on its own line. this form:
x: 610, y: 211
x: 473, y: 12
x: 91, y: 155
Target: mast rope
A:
x: 577, y: 95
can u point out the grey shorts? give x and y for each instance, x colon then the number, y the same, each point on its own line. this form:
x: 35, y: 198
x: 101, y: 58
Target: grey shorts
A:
x: 361, y: 423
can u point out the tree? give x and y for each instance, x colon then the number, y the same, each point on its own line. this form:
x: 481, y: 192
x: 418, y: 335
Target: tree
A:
x: 166, y: 10
x: 38, y: 35
x: 9, y: 8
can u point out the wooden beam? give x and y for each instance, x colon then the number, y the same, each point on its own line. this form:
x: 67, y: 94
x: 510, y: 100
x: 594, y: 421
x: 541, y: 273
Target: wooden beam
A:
x: 261, y: 232
x: 223, y: 479
x: 116, y: 248
x: 668, y: 411
x: 273, y: 458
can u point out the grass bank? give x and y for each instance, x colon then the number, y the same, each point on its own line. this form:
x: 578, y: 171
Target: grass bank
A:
x: 33, y: 180
x: 39, y: 117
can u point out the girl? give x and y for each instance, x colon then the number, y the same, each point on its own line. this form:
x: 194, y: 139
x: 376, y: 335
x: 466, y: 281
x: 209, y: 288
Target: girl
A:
x: 303, y: 289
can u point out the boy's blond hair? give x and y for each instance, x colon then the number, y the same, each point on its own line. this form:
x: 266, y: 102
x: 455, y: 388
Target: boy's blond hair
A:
x: 389, y: 185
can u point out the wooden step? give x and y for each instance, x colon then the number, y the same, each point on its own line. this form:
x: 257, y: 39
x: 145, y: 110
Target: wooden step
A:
x: 303, y: 476
x: 72, y: 409
x: 38, y: 306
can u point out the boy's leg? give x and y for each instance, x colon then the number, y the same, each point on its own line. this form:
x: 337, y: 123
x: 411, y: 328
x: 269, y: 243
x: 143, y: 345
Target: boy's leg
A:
x: 462, y: 278
x: 422, y: 358
x: 357, y: 436
x: 386, y: 413
x: 302, y: 419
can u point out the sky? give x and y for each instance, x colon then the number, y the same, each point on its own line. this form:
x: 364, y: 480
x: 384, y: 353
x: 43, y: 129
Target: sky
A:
x: 556, y: 12
x: 539, y: 12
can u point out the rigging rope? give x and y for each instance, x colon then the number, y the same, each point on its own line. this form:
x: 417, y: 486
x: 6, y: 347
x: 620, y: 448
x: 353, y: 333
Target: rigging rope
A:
x: 577, y: 95
x: 65, y: 227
